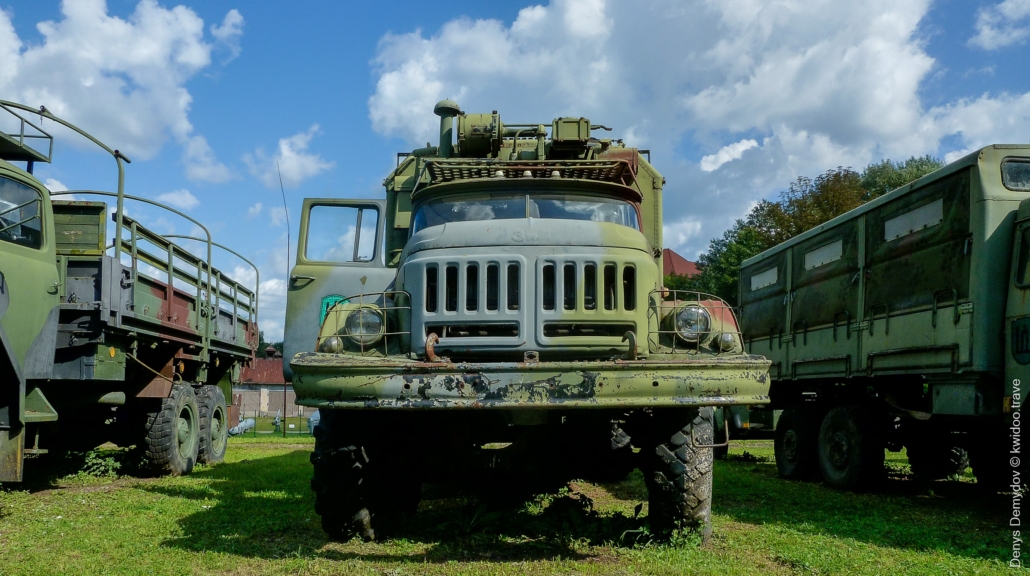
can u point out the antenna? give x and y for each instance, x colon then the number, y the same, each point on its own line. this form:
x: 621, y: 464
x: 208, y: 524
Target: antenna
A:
x: 286, y: 211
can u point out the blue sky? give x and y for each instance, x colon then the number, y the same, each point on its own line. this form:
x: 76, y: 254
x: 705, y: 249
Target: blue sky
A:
x: 734, y: 100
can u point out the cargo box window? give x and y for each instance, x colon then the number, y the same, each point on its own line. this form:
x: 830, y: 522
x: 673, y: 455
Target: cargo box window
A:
x: 20, y: 220
x: 1015, y: 174
x: 913, y: 221
x: 763, y: 279
x: 824, y: 255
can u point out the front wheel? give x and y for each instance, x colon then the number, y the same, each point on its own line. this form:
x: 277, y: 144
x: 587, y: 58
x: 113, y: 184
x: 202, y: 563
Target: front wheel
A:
x: 173, y: 433
x: 936, y: 461
x: 679, y: 479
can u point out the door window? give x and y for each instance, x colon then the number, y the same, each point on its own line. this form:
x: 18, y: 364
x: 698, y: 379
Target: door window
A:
x: 1022, y: 270
x: 341, y: 234
x: 20, y: 218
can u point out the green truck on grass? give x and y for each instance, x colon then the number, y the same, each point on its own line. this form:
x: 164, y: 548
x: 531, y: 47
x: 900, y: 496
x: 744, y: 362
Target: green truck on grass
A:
x: 902, y: 323
x: 137, y: 342
x: 503, y: 307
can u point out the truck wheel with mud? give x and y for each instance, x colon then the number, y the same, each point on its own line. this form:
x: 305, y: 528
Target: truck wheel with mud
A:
x: 797, y: 443
x: 930, y: 461
x: 361, y: 488
x: 850, y: 449
x: 679, y: 475
x: 214, y: 428
x: 173, y: 433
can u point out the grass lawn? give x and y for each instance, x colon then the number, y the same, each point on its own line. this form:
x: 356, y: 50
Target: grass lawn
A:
x: 253, y: 515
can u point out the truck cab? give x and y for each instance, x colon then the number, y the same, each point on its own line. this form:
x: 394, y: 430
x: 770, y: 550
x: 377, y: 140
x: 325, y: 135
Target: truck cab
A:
x: 507, y: 290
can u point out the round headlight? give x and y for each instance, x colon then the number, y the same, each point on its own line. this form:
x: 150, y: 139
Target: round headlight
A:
x: 692, y: 323
x: 364, y: 326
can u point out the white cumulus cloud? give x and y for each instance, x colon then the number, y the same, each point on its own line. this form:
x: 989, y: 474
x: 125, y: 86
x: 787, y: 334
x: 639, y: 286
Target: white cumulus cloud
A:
x: 778, y: 89
x: 725, y: 154
x: 123, y: 80
x: 181, y: 199
x: 254, y: 210
x: 229, y: 33
x: 1002, y: 24
x: 291, y: 160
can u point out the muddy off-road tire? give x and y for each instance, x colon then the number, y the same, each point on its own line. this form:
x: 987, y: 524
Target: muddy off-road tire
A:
x: 679, y: 474
x: 850, y: 449
x: 214, y: 428
x: 173, y: 433
x: 930, y: 461
x: 361, y: 487
x: 796, y: 444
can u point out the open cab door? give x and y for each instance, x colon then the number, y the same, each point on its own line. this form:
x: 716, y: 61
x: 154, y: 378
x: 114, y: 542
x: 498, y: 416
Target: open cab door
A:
x: 339, y: 254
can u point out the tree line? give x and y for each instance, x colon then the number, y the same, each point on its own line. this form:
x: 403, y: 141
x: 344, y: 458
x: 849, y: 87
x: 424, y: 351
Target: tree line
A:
x: 805, y: 204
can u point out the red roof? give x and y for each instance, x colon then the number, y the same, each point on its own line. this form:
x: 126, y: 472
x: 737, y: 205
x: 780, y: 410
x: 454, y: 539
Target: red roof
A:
x: 264, y: 371
x: 673, y: 263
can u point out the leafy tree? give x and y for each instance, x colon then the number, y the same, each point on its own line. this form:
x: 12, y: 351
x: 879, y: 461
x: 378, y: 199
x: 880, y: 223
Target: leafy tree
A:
x: 882, y: 177
x: 264, y: 344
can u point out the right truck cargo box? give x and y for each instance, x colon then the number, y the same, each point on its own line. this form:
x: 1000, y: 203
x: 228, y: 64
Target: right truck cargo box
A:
x: 902, y: 323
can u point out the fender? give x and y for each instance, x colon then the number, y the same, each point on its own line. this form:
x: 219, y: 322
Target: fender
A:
x: 39, y: 360
x: 12, y: 413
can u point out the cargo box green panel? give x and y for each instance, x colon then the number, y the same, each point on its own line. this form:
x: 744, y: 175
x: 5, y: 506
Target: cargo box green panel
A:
x: 80, y: 227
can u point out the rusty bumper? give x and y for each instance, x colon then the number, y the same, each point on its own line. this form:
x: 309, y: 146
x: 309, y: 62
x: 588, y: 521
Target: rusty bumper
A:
x: 342, y: 381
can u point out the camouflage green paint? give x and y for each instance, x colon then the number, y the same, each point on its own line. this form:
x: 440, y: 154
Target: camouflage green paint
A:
x: 588, y: 369
x: 69, y: 313
x: 929, y: 302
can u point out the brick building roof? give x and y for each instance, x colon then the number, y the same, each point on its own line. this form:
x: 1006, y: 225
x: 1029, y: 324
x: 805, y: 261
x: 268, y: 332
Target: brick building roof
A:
x: 673, y: 263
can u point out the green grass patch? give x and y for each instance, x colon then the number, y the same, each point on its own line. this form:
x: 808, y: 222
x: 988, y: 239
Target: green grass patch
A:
x: 254, y: 514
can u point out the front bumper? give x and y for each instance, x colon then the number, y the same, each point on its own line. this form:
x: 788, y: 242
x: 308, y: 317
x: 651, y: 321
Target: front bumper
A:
x: 344, y: 381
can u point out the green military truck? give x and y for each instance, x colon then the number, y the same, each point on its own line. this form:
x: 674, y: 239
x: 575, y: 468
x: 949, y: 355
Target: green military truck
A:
x: 503, y: 307
x: 902, y: 323
x: 137, y: 342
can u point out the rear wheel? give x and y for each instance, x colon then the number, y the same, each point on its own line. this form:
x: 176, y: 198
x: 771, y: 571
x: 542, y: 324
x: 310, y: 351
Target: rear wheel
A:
x: 797, y: 443
x: 214, y: 429
x: 931, y: 461
x: 173, y: 433
x: 850, y: 450
x: 679, y: 475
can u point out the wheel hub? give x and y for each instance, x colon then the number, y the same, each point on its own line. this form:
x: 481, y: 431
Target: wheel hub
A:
x: 790, y: 446
x: 839, y: 450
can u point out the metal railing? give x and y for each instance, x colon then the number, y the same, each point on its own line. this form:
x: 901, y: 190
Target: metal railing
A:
x: 22, y: 135
x: 207, y: 281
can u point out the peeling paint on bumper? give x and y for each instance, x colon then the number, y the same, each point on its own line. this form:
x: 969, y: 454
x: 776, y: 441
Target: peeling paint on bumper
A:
x: 341, y: 381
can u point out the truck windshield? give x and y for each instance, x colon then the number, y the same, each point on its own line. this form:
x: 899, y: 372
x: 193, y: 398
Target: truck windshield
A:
x: 510, y: 206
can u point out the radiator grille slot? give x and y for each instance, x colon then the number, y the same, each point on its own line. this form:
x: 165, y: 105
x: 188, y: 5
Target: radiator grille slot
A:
x: 613, y: 329
x: 451, y: 280
x: 629, y: 288
x: 569, y: 287
x: 432, y: 287
x: 472, y: 287
x: 492, y: 286
x: 590, y: 287
x: 482, y: 330
x: 611, y: 298
x: 547, y: 282
x: 513, y: 286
